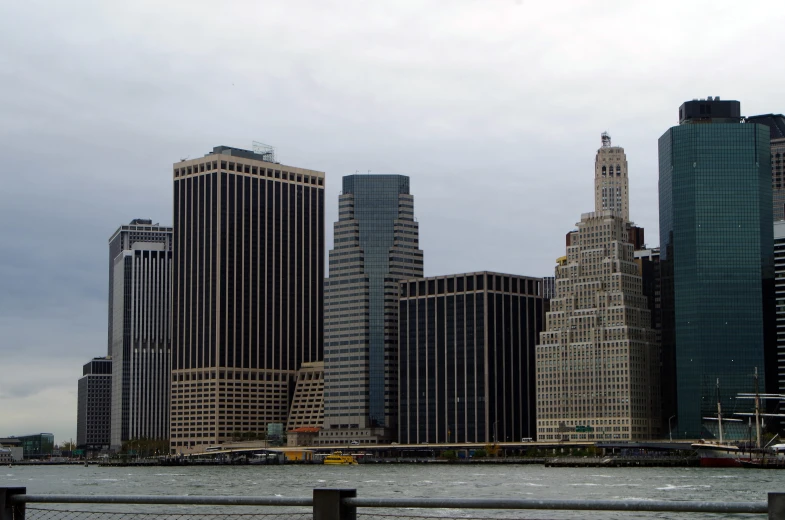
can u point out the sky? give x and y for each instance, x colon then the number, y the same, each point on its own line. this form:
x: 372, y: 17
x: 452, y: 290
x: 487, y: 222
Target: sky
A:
x: 494, y: 108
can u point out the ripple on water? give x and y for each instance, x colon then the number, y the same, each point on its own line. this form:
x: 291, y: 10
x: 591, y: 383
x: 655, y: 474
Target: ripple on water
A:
x: 671, y: 487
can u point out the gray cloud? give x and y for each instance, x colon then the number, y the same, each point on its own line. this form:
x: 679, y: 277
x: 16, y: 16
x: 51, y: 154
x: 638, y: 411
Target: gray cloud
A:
x: 493, y: 108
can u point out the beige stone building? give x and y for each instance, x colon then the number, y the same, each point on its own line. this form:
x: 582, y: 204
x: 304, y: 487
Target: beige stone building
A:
x: 611, y: 184
x: 307, y: 408
x: 597, y: 361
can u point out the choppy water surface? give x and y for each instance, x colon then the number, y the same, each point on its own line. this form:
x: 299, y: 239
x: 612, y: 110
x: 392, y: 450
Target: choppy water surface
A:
x: 463, y: 481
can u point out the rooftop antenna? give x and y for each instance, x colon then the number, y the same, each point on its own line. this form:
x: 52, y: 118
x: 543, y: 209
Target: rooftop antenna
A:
x: 606, y: 140
x: 265, y: 150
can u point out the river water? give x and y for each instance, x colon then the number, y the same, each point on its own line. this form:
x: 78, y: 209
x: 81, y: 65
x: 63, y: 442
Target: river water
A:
x: 415, y: 480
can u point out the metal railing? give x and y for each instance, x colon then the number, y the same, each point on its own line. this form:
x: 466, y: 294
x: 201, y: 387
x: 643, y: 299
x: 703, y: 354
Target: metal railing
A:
x: 342, y: 504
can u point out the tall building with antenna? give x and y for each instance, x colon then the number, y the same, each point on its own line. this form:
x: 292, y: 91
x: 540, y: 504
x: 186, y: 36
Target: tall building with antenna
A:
x: 597, y: 360
x: 247, y: 292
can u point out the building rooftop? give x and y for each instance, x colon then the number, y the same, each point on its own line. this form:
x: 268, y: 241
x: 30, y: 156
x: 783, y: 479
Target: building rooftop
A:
x: 305, y: 429
x: 710, y: 110
x: 775, y: 122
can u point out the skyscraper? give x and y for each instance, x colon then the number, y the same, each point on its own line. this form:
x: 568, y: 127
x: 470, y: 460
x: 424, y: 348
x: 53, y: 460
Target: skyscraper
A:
x: 376, y: 245
x: 467, y: 357
x: 777, y: 361
x: 247, y: 291
x: 94, y: 405
x: 597, y: 360
x: 776, y: 124
x: 716, y: 257
x: 140, y: 305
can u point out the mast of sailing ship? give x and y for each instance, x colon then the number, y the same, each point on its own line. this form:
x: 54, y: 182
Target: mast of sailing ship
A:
x: 719, y: 409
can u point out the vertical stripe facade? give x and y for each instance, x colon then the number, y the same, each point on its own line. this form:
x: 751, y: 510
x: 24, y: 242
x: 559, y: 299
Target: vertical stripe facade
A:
x: 466, y: 358
x: 140, y: 294
x: 247, y: 292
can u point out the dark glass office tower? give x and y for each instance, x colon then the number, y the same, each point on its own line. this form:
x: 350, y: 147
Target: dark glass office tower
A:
x: 716, y: 258
x: 467, y: 358
x: 140, y: 305
x: 376, y: 245
x: 247, y: 292
x: 94, y: 405
x: 776, y: 124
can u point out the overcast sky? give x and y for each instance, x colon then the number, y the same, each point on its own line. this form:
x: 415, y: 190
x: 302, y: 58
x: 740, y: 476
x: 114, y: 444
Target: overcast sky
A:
x: 493, y: 108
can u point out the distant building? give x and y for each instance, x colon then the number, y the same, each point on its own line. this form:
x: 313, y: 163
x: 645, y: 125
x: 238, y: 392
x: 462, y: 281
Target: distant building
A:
x: 779, y: 276
x: 140, y: 284
x: 302, y: 436
x: 34, y: 446
x: 247, y: 283
x: 466, y: 366
x: 597, y: 359
x: 648, y: 261
x: 376, y: 245
x: 548, y: 287
x: 12, y: 450
x: 716, y: 257
x: 94, y: 405
x: 776, y: 124
x: 307, y: 408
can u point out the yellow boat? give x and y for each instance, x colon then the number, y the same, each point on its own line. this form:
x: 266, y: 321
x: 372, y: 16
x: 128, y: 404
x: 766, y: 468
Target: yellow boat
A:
x: 339, y: 459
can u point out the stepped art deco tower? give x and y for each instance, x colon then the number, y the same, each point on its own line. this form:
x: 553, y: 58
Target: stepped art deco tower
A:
x: 247, y: 292
x: 597, y: 360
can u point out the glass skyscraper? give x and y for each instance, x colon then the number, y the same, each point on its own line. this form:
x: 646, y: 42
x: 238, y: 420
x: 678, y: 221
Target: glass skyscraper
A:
x: 716, y: 258
x: 376, y: 246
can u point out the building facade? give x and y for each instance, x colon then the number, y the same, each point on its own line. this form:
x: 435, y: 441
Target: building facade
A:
x: 611, y: 182
x: 248, y: 276
x: 648, y: 261
x: 776, y: 124
x: 94, y: 405
x: 307, y: 410
x: 140, y: 305
x: 716, y: 257
x: 597, y: 360
x: 466, y: 367
x: 376, y: 246
x: 34, y: 446
x: 778, y: 360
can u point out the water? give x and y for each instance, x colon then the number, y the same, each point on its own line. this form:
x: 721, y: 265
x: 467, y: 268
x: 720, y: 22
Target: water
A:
x: 410, y: 481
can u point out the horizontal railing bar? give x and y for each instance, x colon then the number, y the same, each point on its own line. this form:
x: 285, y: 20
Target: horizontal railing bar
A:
x: 162, y: 499
x: 572, y: 505
x: 424, y: 503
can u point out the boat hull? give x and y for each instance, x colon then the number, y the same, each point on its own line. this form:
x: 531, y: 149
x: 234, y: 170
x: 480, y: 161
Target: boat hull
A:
x: 719, y: 456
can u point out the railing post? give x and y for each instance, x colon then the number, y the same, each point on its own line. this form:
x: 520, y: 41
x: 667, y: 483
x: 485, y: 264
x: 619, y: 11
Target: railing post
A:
x: 776, y: 506
x: 10, y: 511
x: 328, y: 505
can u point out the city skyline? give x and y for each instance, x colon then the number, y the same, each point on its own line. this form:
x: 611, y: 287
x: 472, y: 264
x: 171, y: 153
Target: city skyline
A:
x: 496, y: 107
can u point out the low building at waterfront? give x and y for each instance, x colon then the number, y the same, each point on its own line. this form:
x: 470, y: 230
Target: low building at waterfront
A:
x: 34, y: 446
